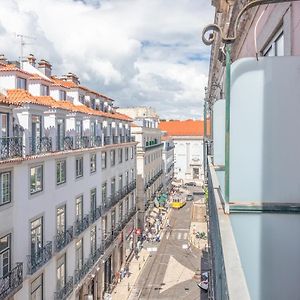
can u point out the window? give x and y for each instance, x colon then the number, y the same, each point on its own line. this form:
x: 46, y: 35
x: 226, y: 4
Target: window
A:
x: 36, y: 179
x: 78, y: 127
x: 21, y: 83
x: 4, y: 255
x: 126, y: 153
x: 93, y: 163
x: 93, y: 200
x: 112, y: 157
x: 5, y: 187
x: 121, y: 211
x: 61, y: 272
x: 276, y: 45
x: 103, y: 160
x: 132, y: 174
x: 36, y: 236
x: 120, y: 155
x: 113, y: 219
x: 126, y: 177
x: 132, y: 152
x: 104, y: 193
x: 81, y: 99
x: 61, y: 219
x: 113, y: 186
x: 36, y: 290
x: 126, y: 205
x: 79, y: 167
x: 45, y: 90
x: 79, y: 208
x: 61, y: 172
x: 120, y: 182
x: 93, y: 240
x: 79, y: 254
x: 62, y: 95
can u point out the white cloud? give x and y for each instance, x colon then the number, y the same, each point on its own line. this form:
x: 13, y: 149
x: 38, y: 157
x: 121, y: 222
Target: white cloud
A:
x: 139, y: 52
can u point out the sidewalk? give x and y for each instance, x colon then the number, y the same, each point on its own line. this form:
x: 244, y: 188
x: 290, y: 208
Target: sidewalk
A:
x: 123, y: 288
x: 198, y: 224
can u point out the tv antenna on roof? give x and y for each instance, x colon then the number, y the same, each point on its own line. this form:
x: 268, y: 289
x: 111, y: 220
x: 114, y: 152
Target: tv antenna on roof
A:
x: 23, y: 43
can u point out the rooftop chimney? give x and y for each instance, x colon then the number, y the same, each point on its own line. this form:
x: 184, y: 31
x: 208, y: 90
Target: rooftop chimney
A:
x: 3, y: 59
x: 72, y: 77
x: 45, y: 67
x: 31, y: 59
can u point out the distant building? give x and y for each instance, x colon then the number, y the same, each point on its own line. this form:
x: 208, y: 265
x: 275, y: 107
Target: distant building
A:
x: 187, y: 136
x: 148, y: 158
x: 168, y: 157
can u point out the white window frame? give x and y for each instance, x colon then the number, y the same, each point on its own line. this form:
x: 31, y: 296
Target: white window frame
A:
x: 5, y: 188
x: 62, y: 165
x: 79, y: 167
x: 37, y: 187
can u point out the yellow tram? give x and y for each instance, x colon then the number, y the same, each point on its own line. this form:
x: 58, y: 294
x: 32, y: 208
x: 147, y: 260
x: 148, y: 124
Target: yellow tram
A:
x: 178, y: 203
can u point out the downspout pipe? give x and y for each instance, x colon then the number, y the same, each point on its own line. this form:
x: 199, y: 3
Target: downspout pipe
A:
x: 204, y: 139
x: 227, y: 123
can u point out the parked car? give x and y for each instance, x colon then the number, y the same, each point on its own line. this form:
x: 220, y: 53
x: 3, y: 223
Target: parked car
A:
x: 189, y: 197
x: 192, y: 183
x: 203, y: 285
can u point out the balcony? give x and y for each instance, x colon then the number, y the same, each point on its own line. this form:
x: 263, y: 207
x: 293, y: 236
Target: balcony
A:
x: 81, y: 225
x: 11, y: 147
x: 81, y: 142
x: 65, y: 291
x: 39, y: 258
x: 95, y: 214
x: 64, y: 143
x: 107, y: 140
x: 115, y: 140
x: 152, y: 144
x: 11, y: 282
x: 122, y: 139
x: 40, y: 145
x: 95, y: 141
x: 62, y: 239
x: 152, y: 180
x: 87, y: 266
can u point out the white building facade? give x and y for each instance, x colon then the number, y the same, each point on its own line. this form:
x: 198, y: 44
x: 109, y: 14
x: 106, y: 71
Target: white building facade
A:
x: 187, y: 137
x: 149, y: 157
x: 168, y: 161
x: 68, y: 187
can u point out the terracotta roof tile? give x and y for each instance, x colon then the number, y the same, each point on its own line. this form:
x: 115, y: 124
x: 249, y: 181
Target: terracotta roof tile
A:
x: 184, y: 128
x: 38, y: 77
x: 12, y: 67
x: 19, y: 97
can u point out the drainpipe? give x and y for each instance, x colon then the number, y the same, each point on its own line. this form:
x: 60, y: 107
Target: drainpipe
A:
x: 227, y: 122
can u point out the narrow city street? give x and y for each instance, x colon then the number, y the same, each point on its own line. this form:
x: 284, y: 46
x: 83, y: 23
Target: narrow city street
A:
x: 169, y: 270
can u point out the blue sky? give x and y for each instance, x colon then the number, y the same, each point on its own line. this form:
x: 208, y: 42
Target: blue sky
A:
x: 139, y: 52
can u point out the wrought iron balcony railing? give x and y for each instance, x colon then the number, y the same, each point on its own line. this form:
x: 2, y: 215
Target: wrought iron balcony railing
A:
x: 79, y: 274
x: 130, y: 138
x: 151, y: 145
x: 39, y: 258
x: 39, y: 145
x: 95, y: 214
x: 82, y: 142
x: 64, y: 143
x: 122, y: 139
x: 81, y: 225
x: 65, y: 291
x: 63, y: 238
x: 10, y: 282
x: 11, y: 147
x: 107, y: 140
x: 96, y: 141
x: 115, y: 140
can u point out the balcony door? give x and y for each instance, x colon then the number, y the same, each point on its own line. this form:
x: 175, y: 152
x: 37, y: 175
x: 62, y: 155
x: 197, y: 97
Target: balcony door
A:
x: 4, y: 255
x: 4, y: 125
x: 60, y: 131
x: 36, y: 133
x: 36, y: 236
